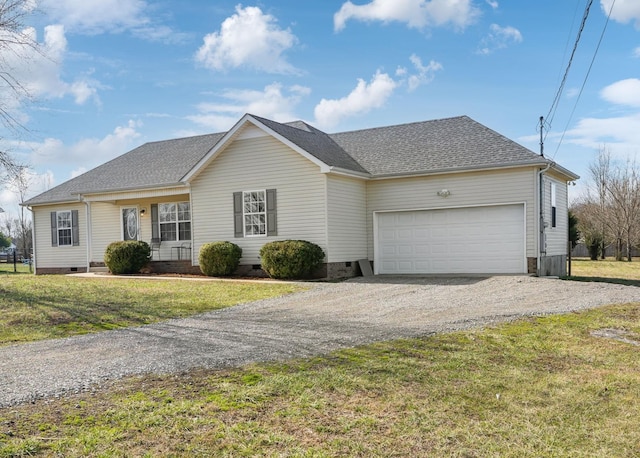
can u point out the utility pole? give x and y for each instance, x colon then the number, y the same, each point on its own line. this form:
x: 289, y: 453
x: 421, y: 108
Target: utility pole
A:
x: 541, y: 136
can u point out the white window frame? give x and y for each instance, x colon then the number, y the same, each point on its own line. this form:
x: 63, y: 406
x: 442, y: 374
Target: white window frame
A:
x: 59, y: 229
x: 554, y: 208
x: 259, y: 213
x: 176, y: 221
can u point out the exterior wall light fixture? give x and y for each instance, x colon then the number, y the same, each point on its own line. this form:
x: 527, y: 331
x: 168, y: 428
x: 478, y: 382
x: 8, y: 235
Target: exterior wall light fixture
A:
x: 444, y: 193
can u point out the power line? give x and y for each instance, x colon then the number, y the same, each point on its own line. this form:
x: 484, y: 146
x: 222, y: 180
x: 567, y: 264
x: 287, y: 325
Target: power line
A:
x: 556, y: 100
x: 584, y: 82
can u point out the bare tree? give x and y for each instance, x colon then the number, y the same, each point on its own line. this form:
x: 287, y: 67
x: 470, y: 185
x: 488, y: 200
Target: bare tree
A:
x: 20, y: 185
x: 609, y: 213
x: 623, y: 188
x: 14, y: 42
x: 600, y: 171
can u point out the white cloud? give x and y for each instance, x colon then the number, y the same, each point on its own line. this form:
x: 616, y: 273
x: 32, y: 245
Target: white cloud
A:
x: 636, y: 52
x: 624, y: 10
x: 499, y: 38
x: 273, y: 102
x: 364, y: 98
x: 415, y: 13
x: 624, y: 92
x: 39, y: 71
x: 251, y: 39
x: 620, y: 134
x: 10, y: 200
x: 85, y: 153
x: 493, y: 4
x: 96, y: 16
x: 425, y: 74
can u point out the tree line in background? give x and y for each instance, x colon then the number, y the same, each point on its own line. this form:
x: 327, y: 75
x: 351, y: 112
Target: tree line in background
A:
x: 608, y: 213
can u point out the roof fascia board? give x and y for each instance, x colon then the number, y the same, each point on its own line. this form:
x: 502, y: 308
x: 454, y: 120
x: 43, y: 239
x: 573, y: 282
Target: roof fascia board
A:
x: 92, y: 196
x: 458, y: 170
x: 231, y: 134
x: 346, y: 172
x: 566, y: 172
x: 53, y: 202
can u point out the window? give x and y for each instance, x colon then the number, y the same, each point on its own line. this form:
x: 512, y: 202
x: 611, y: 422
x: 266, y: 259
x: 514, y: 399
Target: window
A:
x: 553, y: 205
x: 174, y: 220
x: 64, y: 228
x: 254, y: 213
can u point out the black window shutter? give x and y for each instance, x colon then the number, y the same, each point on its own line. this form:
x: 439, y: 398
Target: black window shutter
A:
x: 238, y: 226
x: 272, y: 220
x: 75, y: 230
x: 54, y: 229
x: 155, y: 229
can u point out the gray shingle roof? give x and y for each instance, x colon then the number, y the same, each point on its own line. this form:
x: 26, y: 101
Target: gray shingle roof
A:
x: 431, y: 146
x: 315, y: 142
x: 153, y: 164
x: 423, y: 147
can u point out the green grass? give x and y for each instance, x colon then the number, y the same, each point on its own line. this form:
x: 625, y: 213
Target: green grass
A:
x: 43, y: 307
x: 536, y: 387
x: 608, y: 270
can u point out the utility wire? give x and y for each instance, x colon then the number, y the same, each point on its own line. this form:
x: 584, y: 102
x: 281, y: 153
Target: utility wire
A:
x: 556, y: 100
x: 584, y: 82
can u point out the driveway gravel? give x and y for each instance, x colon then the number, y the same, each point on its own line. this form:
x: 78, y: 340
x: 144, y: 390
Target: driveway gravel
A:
x: 326, y: 317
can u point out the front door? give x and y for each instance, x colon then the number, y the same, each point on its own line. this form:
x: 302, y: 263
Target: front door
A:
x: 130, y: 226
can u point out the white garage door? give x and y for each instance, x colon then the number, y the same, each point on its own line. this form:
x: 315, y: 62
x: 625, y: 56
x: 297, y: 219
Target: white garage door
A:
x: 460, y: 240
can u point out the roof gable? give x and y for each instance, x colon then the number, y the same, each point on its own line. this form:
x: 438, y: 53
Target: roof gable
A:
x: 309, y: 142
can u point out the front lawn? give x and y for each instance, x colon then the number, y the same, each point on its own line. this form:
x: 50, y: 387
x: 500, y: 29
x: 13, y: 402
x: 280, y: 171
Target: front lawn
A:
x: 51, y: 306
x: 537, y: 387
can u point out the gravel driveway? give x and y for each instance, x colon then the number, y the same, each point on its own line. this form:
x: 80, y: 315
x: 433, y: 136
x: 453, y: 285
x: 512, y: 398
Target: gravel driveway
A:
x: 327, y: 317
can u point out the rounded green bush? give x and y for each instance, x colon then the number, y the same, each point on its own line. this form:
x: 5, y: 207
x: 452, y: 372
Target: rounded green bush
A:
x: 291, y: 259
x: 219, y: 258
x: 127, y: 257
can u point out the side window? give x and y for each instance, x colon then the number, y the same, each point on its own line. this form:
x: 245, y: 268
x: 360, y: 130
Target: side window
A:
x: 64, y: 228
x: 553, y: 205
x: 254, y: 213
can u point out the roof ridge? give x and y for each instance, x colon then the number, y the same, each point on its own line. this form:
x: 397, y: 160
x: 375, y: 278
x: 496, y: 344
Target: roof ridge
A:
x: 412, y: 123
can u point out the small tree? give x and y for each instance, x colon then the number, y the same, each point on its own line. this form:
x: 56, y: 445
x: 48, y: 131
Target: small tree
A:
x: 574, y: 232
x: 5, y: 241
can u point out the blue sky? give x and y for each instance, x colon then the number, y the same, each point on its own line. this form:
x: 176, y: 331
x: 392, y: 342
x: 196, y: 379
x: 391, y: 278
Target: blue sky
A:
x: 114, y: 74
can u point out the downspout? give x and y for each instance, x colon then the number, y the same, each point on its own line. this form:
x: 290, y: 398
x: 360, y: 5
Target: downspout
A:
x: 88, y: 213
x: 541, y: 224
x: 33, y: 239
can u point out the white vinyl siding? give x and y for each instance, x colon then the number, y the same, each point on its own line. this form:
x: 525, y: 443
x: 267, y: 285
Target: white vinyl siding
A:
x: 466, y: 189
x: 106, y: 228
x: 48, y: 256
x: 346, y: 218
x: 259, y: 163
x: 556, y: 236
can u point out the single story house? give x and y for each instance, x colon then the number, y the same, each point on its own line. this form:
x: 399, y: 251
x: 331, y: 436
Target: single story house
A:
x: 448, y: 196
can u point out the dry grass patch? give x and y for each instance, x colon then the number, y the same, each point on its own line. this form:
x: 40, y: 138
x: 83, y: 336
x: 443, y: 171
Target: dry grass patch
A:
x: 536, y: 387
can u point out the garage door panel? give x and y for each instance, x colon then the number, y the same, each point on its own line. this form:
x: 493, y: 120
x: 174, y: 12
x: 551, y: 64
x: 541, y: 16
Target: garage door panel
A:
x: 464, y: 240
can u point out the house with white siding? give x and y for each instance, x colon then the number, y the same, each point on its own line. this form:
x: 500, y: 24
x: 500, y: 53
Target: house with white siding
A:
x: 447, y: 196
